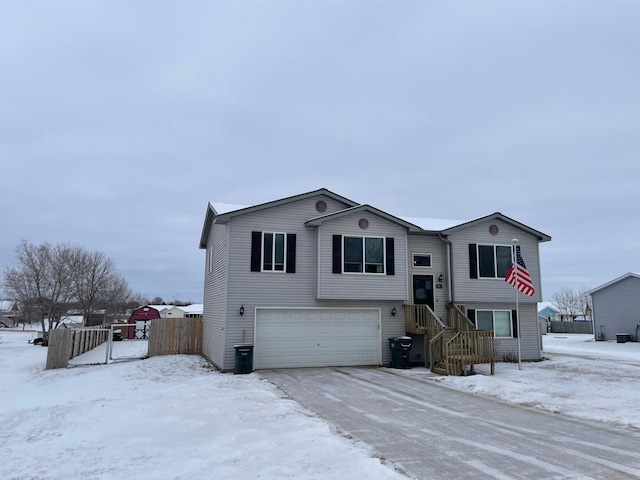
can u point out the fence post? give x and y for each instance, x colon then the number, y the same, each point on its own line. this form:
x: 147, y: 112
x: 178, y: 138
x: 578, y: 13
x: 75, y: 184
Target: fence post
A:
x: 59, y: 349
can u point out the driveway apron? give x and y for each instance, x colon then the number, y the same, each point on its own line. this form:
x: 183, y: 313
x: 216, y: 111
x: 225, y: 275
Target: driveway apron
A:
x: 430, y: 431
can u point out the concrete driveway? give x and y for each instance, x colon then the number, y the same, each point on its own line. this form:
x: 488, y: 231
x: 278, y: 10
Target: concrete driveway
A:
x: 430, y: 431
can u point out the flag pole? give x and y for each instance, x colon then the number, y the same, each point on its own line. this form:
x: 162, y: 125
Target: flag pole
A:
x: 514, y: 259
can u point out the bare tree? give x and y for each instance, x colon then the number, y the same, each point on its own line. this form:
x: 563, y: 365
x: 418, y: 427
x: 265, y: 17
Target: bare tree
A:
x: 46, y: 279
x: 40, y: 280
x: 96, y: 282
x: 572, y: 302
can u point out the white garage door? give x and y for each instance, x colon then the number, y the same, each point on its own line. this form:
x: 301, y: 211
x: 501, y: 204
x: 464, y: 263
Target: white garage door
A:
x: 322, y: 337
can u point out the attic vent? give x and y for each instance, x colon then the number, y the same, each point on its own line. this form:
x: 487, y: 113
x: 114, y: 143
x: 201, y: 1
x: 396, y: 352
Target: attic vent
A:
x: 321, y: 206
x: 364, y: 223
x: 493, y: 229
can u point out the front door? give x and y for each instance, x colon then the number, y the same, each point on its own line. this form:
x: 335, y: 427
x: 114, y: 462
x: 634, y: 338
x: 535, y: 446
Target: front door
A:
x: 423, y: 290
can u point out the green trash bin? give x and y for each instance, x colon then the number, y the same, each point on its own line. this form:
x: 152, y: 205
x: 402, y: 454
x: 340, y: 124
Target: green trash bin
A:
x: 400, y: 350
x: 244, y: 358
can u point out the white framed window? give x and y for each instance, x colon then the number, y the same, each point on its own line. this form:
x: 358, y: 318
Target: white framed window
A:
x: 363, y: 255
x: 497, y: 320
x: 493, y: 261
x: 422, y: 260
x: 274, y: 247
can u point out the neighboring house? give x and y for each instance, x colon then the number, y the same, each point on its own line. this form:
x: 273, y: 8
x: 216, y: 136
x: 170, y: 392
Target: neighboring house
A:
x: 71, y: 321
x: 193, y: 311
x: 179, y: 311
x: 549, y: 311
x: 319, y: 280
x: 162, y: 309
x: 569, y: 317
x: 615, y: 307
x: 10, y: 313
x: 172, y: 312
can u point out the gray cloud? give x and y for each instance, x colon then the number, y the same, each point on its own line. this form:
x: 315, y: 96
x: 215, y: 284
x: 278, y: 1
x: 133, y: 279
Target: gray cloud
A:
x: 119, y: 121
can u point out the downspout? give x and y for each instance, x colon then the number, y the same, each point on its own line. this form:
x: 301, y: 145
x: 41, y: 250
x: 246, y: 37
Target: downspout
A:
x: 449, y: 266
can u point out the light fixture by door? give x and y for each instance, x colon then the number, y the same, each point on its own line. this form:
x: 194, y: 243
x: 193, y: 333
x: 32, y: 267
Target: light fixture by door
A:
x: 241, y: 310
x: 440, y: 278
x: 393, y: 312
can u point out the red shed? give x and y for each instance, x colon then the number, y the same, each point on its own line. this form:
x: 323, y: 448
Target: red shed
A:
x: 141, y: 317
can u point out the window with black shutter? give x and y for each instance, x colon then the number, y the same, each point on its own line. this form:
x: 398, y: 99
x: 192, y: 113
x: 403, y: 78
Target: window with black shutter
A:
x: 354, y: 254
x: 273, y: 252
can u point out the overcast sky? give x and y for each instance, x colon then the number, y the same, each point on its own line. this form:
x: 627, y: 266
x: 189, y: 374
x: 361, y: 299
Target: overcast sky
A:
x: 121, y: 120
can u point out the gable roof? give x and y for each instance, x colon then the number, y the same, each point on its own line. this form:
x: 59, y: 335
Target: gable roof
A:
x: 224, y: 217
x: 544, y: 305
x: 626, y: 275
x: 6, y: 305
x: 314, y: 222
x: 223, y: 212
x: 542, y: 237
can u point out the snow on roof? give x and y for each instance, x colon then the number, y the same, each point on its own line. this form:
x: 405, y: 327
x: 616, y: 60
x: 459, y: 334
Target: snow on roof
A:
x: 193, y: 308
x: 543, y: 305
x: 222, y: 208
x: 72, y: 320
x: 160, y: 307
x: 6, y: 304
x: 433, y: 224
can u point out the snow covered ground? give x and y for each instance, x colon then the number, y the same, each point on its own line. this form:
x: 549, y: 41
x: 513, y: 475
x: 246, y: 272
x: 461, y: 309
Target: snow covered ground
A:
x: 174, y: 417
x: 580, y: 377
x: 170, y: 417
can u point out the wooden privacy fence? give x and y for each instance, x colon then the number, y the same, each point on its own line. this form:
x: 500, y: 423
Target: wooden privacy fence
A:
x: 571, y: 327
x: 64, y: 344
x: 171, y: 336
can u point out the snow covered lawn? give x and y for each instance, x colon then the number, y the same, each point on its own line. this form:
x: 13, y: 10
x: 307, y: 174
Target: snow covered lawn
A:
x: 175, y: 418
x: 580, y: 377
x: 169, y: 417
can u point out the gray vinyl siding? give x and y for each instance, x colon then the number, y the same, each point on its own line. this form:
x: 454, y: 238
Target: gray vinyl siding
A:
x: 529, y: 332
x: 468, y: 289
x: 355, y: 285
x: 279, y: 289
x: 437, y: 249
x: 215, y: 307
x: 615, y: 309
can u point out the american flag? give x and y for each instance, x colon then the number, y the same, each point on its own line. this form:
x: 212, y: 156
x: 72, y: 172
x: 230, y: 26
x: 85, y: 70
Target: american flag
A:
x: 519, y: 270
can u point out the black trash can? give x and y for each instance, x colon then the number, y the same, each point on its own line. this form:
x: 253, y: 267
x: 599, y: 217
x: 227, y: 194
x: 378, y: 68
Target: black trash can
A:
x: 400, y: 350
x: 117, y: 335
x: 623, y: 337
x: 244, y: 359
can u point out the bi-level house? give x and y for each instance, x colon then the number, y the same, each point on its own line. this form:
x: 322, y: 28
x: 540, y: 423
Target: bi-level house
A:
x: 320, y: 280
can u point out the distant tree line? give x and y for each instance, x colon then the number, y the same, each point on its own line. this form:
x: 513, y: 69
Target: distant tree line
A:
x: 175, y: 301
x: 48, y: 280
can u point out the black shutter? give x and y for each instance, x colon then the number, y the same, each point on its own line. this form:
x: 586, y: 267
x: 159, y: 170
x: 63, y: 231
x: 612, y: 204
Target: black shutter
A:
x: 471, y: 315
x: 291, y: 253
x: 256, y: 254
x: 473, y: 261
x: 514, y: 323
x: 390, y: 260
x: 337, y: 254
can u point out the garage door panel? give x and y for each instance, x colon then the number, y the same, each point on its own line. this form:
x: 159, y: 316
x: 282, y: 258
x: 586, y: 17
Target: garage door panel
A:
x: 287, y: 338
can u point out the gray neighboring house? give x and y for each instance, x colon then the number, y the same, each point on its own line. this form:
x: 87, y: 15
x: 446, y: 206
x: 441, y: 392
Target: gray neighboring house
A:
x: 615, y: 308
x: 317, y: 279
